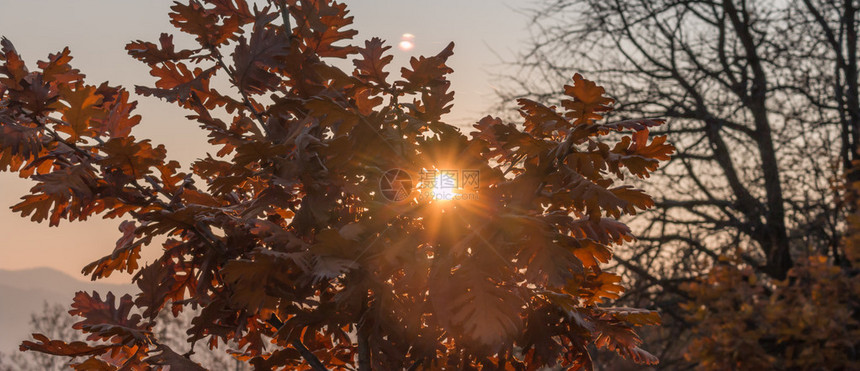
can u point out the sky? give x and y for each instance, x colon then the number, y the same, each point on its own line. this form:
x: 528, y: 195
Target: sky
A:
x: 485, y: 32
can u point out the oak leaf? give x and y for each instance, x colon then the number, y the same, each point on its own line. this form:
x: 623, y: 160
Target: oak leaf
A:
x: 105, y: 320
x: 254, y: 59
x: 588, y: 103
x: 56, y: 70
x: 371, y: 67
x: 80, y: 106
x: 150, y: 53
x: 61, y: 348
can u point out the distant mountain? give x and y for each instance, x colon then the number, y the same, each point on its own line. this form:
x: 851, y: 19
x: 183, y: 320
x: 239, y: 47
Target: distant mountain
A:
x: 24, y: 291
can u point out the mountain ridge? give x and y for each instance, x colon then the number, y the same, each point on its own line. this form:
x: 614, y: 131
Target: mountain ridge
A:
x: 23, y: 292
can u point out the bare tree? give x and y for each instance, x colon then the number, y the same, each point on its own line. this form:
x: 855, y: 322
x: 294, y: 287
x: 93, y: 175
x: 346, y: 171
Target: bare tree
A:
x: 832, y: 26
x: 52, y: 321
x: 762, y: 102
x: 55, y: 322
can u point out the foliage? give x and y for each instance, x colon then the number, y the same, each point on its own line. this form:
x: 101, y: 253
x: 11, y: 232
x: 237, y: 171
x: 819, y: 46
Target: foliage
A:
x: 54, y: 322
x: 763, y: 103
x: 807, y: 322
x: 289, y: 249
x: 170, y: 330
x: 851, y: 241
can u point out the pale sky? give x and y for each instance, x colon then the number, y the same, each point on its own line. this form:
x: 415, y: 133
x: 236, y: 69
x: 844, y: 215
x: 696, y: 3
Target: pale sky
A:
x: 97, y: 30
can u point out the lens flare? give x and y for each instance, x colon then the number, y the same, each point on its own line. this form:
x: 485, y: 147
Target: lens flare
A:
x: 406, y: 42
x: 445, y: 188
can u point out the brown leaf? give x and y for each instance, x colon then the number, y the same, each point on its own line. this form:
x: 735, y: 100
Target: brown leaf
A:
x: 540, y: 119
x: 435, y: 102
x: 605, y: 230
x: 427, y: 71
x: 588, y: 101
x: 151, y: 54
x: 590, y: 253
x: 163, y: 281
x: 40, y: 206
x: 471, y: 305
x: 622, y: 339
x: 61, y: 348
x: 634, y: 316
x: 124, y: 257
x: 371, y: 68
x: 248, y: 280
x: 59, y: 194
x: 80, y: 106
x: 104, y: 320
x: 177, y: 83
x: 18, y: 145
x: 232, y: 8
x: 135, y: 159
x: 194, y: 19
x: 94, y: 364
x: 57, y: 70
x: 165, y: 356
x: 118, y: 121
x: 638, y: 156
x: 547, y: 263
x: 319, y: 24
x: 14, y: 67
x: 255, y: 59
x: 333, y: 114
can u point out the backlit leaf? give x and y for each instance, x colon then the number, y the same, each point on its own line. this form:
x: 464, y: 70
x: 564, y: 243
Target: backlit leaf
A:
x: 588, y: 103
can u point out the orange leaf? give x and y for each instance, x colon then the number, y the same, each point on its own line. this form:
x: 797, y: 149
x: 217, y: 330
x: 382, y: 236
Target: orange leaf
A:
x: 57, y: 70
x: 150, y: 53
x: 371, y: 68
x: 588, y: 101
x: 61, y: 348
x: 81, y: 106
x: 427, y: 71
x: 135, y: 159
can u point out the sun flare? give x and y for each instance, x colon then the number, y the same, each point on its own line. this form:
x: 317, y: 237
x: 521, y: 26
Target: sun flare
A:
x: 406, y: 42
x: 444, y: 188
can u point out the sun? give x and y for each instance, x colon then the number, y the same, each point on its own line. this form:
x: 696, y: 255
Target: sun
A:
x: 444, y: 188
x: 406, y: 42
x: 438, y: 186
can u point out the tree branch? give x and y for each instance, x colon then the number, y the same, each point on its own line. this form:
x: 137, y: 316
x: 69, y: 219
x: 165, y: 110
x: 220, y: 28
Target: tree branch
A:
x: 311, y: 359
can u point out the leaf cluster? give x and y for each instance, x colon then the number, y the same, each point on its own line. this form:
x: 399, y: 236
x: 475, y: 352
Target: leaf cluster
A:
x: 287, y: 246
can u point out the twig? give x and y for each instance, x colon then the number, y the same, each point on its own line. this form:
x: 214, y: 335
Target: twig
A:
x: 285, y: 15
x: 309, y: 356
x: 312, y: 359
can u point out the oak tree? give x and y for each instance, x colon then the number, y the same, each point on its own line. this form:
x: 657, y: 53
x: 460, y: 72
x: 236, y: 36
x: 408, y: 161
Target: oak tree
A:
x: 284, y: 240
